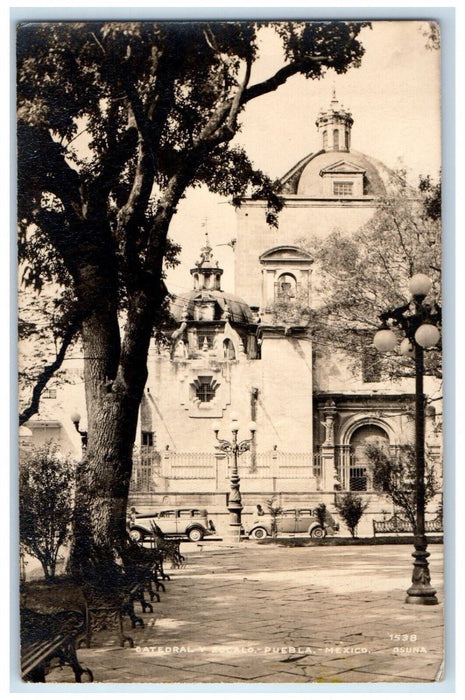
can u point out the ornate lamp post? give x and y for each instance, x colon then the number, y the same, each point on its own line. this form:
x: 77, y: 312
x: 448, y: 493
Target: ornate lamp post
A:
x: 234, y: 448
x: 76, y: 419
x: 22, y: 565
x: 420, y: 330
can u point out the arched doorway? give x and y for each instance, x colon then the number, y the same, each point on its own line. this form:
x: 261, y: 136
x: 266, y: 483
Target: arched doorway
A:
x: 361, y: 437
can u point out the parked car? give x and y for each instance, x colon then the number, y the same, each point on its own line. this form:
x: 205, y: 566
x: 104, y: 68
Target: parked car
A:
x: 174, y: 522
x: 293, y: 521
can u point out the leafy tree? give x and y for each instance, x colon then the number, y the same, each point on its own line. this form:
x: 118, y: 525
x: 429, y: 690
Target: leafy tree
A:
x: 46, y: 504
x: 394, y: 478
x: 115, y: 122
x: 351, y: 508
x: 362, y: 274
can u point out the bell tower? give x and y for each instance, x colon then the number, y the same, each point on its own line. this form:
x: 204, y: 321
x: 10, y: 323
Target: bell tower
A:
x: 335, y: 125
x: 206, y: 273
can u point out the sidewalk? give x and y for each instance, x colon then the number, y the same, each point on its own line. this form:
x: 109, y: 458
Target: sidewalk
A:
x: 269, y: 614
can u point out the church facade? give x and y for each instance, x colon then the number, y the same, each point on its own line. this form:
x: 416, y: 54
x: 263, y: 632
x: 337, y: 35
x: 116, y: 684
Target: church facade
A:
x: 230, y: 356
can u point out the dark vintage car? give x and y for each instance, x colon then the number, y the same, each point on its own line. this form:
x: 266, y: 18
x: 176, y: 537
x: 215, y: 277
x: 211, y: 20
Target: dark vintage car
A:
x: 190, y: 522
x: 297, y: 520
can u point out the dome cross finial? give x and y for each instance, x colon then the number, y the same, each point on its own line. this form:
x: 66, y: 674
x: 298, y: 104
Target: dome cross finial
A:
x: 334, y: 100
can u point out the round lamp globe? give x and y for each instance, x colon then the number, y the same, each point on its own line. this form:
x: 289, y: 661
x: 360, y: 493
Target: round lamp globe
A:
x: 385, y: 340
x: 420, y: 285
x: 427, y: 335
x: 406, y: 348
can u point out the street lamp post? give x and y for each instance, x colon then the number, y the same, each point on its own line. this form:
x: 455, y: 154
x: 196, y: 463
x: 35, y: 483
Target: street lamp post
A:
x: 234, y: 448
x: 76, y: 419
x: 420, y: 330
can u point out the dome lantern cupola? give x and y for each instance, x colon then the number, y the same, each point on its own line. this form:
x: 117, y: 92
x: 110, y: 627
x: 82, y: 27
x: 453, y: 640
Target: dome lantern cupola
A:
x: 206, y: 273
x: 335, y: 125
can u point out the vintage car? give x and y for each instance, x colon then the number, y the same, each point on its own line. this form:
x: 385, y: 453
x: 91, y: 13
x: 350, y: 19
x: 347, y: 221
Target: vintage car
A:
x: 191, y: 522
x: 293, y: 521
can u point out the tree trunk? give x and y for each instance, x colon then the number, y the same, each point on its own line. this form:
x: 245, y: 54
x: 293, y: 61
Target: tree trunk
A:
x: 115, y: 373
x: 103, y: 476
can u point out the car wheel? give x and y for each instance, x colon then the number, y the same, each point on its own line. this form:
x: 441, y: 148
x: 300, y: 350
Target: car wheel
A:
x: 318, y: 533
x: 136, y: 535
x: 259, y: 533
x: 195, y: 535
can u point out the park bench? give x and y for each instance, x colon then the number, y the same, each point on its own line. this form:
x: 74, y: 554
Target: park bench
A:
x: 146, y: 563
x: 169, y: 548
x: 46, y: 637
x: 111, y: 596
x: 397, y: 524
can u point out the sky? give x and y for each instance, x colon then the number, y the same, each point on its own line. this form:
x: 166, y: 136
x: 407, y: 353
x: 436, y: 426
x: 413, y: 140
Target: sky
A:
x: 394, y: 98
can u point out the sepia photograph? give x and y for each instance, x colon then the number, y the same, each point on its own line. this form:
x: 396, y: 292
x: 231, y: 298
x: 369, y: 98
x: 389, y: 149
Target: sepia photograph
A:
x: 230, y: 385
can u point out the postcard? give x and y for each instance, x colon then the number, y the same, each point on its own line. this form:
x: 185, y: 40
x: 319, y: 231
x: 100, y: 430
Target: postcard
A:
x: 230, y: 369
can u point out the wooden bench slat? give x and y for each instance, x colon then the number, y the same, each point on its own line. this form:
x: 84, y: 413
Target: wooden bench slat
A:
x: 48, y: 636
x: 41, y: 653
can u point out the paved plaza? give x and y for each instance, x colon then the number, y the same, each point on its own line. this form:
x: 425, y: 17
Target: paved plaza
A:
x: 264, y: 613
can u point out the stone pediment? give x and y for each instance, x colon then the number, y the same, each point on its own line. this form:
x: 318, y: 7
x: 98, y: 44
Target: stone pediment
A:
x: 342, y: 167
x: 286, y: 254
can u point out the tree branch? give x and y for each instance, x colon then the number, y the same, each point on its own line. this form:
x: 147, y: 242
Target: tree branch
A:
x: 280, y: 77
x: 48, y: 372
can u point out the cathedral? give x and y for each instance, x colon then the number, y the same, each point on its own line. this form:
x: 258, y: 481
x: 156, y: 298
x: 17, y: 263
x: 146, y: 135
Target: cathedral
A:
x: 230, y: 356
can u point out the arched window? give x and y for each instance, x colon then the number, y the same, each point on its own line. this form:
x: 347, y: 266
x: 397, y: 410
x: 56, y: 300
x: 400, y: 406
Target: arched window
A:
x: 336, y: 139
x: 325, y: 139
x: 287, y: 286
x: 229, y: 352
x: 347, y: 139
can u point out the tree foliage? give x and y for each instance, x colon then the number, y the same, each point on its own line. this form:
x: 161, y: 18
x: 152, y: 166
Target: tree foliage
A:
x: 46, y: 504
x: 291, y: 311
x: 394, y: 476
x: 152, y: 104
x: 351, y: 508
x: 363, y: 274
x: 116, y: 120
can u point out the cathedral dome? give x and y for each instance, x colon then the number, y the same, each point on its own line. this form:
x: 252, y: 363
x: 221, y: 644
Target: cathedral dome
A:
x: 309, y: 177
x: 336, y: 171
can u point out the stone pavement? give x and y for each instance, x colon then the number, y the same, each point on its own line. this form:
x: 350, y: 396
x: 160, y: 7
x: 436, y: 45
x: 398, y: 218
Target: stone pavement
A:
x: 272, y: 614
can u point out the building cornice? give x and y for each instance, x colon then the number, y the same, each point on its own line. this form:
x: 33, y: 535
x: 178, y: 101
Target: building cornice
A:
x: 265, y: 331
x: 295, y: 201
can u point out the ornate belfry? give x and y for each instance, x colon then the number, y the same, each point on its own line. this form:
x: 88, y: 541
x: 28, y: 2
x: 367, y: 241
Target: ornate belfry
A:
x: 216, y: 330
x: 213, y: 323
x: 335, y: 124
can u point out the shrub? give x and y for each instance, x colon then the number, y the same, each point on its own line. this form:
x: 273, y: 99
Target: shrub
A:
x: 394, y: 478
x: 351, y: 508
x: 274, y: 511
x: 46, y: 483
